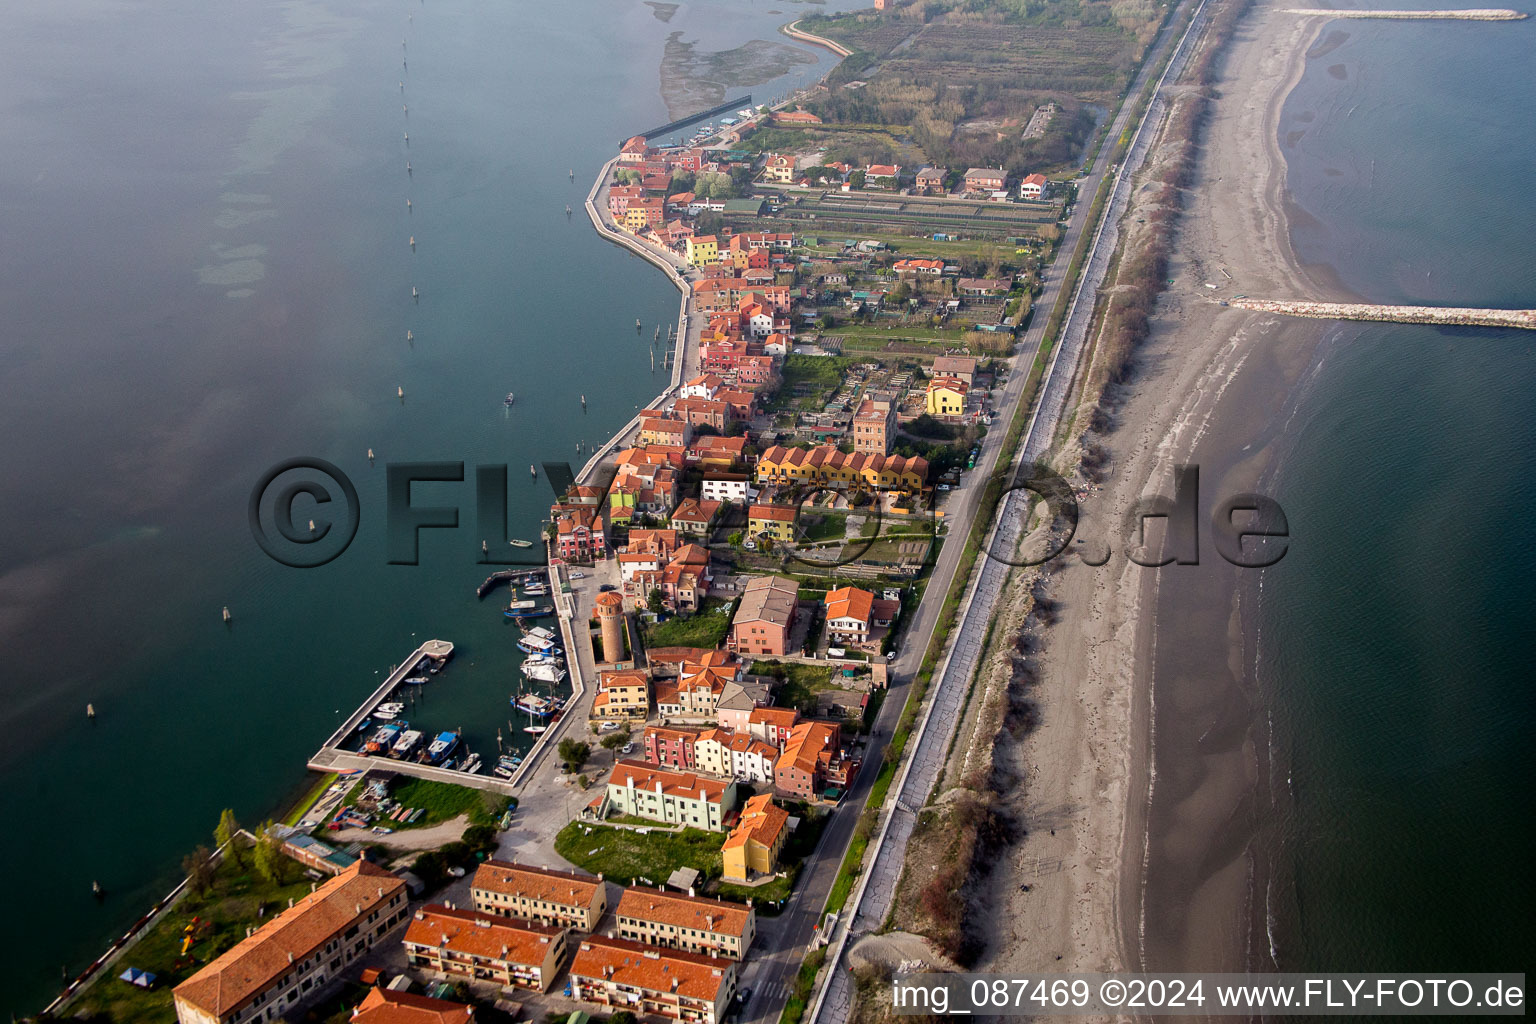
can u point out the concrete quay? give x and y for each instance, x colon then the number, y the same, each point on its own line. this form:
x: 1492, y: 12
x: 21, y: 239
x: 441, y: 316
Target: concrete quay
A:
x: 1443, y: 316
x: 1468, y: 14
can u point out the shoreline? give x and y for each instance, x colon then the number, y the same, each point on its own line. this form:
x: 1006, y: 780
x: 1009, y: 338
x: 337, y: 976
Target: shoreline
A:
x: 1206, y: 857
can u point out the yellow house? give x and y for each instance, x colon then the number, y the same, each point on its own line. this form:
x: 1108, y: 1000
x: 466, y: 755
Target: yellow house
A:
x: 827, y: 466
x: 758, y: 839
x: 776, y: 521
x: 622, y: 695
x: 779, y: 167
x: 946, y: 396
x: 703, y: 251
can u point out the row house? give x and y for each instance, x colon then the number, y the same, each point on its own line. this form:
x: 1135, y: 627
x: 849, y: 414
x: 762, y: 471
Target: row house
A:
x: 622, y: 696
x: 664, y: 431
x: 737, y: 755
x: 670, y: 748
x: 541, y: 895
x: 756, y: 372
x: 702, y: 250
x: 643, y: 213
x: 268, y: 974
x: 697, y: 690
x: 619, y: 198
x: 717, y: 294
x: 581, y: 535
x: 684, y: 582
x: 650, y: 982
x: 773, y: 725
x: 827, y: 466
x: 810, y: 760
x: 690, y: 923
x: 675, y: 798
x: 714, y: 452
x: 722, y: 356
x: 476, y: 947
x: 705, y: 412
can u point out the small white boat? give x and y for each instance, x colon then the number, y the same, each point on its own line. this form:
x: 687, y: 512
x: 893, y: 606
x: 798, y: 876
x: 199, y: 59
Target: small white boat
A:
x: 535, y: 729
x: 519, y: 543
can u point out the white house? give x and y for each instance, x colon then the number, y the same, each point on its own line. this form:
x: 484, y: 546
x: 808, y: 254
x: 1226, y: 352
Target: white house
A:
x: 703, y: 386
x: 732, y: 487
x: 761, y: 325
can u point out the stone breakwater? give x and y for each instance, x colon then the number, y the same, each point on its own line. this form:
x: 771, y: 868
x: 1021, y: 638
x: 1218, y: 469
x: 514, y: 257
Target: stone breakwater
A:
x: 1470, y: 14
x: 1450, y: 316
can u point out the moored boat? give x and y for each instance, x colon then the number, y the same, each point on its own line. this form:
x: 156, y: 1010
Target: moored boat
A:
x: 443, y: 746
x: 518, y: 542
x: 383, y: 740
x: 406, y: 744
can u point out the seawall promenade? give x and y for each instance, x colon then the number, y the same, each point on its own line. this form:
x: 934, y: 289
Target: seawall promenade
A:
x: 1469, y: 14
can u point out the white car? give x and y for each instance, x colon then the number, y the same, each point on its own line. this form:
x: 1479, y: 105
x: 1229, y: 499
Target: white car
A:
x: 578, y: 575
x: 628, y: 748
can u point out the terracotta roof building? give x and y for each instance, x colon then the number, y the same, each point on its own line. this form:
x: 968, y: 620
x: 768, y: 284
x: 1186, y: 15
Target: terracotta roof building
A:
x: 765, y: 617
x: 538, y: 894
x: 265, y: 975
x: 677, y: 798
x: 753, y: 847
x: 690, y: 923
x: 652, y: 982
x: 479, y: 946
x: 385, y: 1006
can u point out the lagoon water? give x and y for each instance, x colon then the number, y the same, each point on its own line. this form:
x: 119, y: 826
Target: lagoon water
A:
x: 205, y: 270
x: 1395, y: 636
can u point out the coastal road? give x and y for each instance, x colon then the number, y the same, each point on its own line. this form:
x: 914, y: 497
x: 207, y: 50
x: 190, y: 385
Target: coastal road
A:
x: 874, y: 896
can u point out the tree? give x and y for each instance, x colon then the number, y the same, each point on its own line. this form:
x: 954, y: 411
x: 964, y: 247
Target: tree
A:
x: 573, y: 753
x: 198, y: 866
x: 224, y: 834
x: 735, y: 539
x: 615, y: 740
x: 266, y: 855
x: 827, y: 322
x: 656, y: 601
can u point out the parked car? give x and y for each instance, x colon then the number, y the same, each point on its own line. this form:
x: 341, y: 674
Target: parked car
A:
x: 628, y: 748
x: 606, y: 587
x: 578, y: 575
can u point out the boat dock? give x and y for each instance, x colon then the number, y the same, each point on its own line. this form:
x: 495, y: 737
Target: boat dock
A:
x: 736, y: 104
x: 495, y: 579
x: 1440, y: 316
x: 333, y: 757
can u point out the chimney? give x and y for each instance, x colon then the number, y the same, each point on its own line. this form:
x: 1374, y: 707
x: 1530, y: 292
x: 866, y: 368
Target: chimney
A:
x: 290, y: 956
x: 690, y: 890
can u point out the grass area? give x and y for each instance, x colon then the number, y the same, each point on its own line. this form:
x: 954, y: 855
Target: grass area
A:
x: 622, y: 854
x: 798, y: 682
x: 442, y: 801
x: 235, y: 899
x: 819, y: 526
x: 805, y: 982
x: 701, y: 629
x: 303, y: 805
x: 819, y: 375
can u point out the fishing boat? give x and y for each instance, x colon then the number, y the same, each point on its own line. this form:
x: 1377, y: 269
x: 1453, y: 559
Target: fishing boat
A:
x: 441, y: 747
x: 382, y: 741
x: 536, y: 645
x: 502, y: 771
x: 471, y: 765
x: 509, y: 760
x: 509, y: 399
x: 531, y: 612
x: 532, y: 703
x: 536, y: 589
x: 544, y: 671
x: 518, y: 606
x: 416, y: 680
x: 406, y: 744
x: 518, y: 542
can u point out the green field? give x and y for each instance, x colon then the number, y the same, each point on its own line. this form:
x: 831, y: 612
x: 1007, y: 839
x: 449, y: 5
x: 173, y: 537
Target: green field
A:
x: 622, y: 855
x: 701, y: 629
x: 442, y: 801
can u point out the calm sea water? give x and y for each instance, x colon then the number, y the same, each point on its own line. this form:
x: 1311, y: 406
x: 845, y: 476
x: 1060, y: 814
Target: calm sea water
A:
x: 1395, y: 645
x: 205, y: 270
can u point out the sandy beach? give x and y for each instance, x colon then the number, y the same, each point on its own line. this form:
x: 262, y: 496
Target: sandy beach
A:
x: 1142, y: 779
